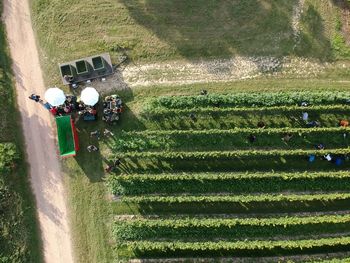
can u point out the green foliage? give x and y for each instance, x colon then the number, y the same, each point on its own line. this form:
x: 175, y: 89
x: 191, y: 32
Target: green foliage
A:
x: 249, y: 99
x: 236, y: 198
x: 174, y: 145
x: 233, y: 118
x: 339, y: 45
x: 229, y: 228
x: 230, y: 154
x: 235, y: 183
x: 13, y: 236
x: 238, y: 248
x: 228, y: 139
x: 8, y: 155
x: 240, y: 160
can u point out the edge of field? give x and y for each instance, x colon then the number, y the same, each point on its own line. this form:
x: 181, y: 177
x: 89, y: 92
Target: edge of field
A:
x: 19, y: 181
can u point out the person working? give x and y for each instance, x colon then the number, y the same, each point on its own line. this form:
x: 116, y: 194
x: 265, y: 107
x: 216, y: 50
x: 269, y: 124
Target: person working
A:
x: 305, y: 116
x: 252, y: 138
x: 261, y: 125
x: 34, y: 97
x: 344, y: 123
x: 287, y: 137
x: 328, y: 157
x: 92, y: 148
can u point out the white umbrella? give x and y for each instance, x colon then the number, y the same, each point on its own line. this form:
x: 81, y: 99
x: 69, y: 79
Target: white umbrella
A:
x: 89, y: 96
x: 55, y: 96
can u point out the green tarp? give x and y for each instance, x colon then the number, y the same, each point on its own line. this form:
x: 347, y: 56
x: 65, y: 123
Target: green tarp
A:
x: 65, y: 136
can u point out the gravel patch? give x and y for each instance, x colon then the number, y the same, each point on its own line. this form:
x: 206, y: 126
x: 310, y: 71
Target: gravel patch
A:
x: 218, y: 70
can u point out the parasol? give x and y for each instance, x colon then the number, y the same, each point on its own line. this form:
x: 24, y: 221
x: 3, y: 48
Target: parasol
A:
x: 89, y: 96
x: 55, y: 96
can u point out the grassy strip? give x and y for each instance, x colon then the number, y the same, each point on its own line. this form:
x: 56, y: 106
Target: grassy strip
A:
x: 238, y: 248
x: 204, y: 229
x: 219, y: 118
x: 228, y: 139
x: 250, y: 99
x: 227, y: 183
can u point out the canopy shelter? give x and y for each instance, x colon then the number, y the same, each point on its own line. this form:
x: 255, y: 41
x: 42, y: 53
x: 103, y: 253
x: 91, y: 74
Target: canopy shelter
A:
x: 55, y: 96
x: 67, y: 136
x: 89, y: 96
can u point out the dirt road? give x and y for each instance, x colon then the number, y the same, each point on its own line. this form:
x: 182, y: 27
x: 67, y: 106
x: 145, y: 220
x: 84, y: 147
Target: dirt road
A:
x: 46, y: 178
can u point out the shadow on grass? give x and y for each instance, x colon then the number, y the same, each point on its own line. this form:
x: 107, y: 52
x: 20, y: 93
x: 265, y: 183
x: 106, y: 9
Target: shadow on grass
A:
x: 225, y: 28
x: 93, y: 164
x: 313, y: 42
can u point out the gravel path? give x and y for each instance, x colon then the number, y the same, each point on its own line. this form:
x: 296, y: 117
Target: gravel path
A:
x: 217, y: 70
x: 45, y: 175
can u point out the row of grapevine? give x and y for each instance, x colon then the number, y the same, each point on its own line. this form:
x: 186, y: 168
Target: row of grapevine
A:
x: 229, y: 139
x: 193, y: 160
x: 173, y: 112
x: 237, y: 198
x: 234, y: 228
x: 227, y: 183
x: 238, y: 248
x: 251, y: 99
x: 231, y: 154
x: 230, y: 120
x: 241, y: 160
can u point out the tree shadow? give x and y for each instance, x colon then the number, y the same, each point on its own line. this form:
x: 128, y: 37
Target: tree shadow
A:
x: 216, y: 28
x: 343, y: 4
x: 93, y: 163
x: 224, y: 28
x: 313, y: 41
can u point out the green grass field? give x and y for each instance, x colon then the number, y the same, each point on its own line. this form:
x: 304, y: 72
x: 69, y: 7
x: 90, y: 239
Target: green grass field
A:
x: 19, y: 238
x: 164, y: 30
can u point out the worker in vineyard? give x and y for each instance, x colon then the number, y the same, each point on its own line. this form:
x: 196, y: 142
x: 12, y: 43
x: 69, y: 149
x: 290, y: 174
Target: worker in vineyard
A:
x: 117, y: 163
x: 109, y: 168
x: 92, y: 148
x: 312, y: 158
x: 107, y: 132
x: 252, y: 138
x: 305, y: 116
x: 193, y: 117
x: 286, y: 137
x: 313, y: 124
x: 328, y: 157
x: 343, y: 123
x: 320, y: 146
x: 261, y: 125
x: 95, y: 134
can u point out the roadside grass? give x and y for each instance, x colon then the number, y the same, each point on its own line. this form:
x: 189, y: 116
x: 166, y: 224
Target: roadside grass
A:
x: 19, y: 231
